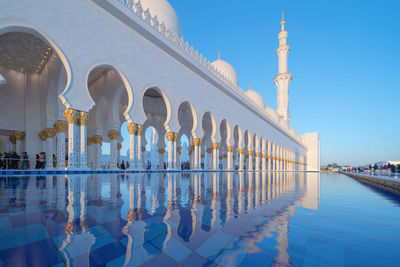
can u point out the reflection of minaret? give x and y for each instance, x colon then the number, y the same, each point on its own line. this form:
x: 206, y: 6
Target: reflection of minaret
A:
x: 312, y: 196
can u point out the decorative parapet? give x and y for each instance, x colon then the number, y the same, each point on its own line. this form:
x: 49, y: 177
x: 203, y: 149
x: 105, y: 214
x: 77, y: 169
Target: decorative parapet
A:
x: 136, y: 8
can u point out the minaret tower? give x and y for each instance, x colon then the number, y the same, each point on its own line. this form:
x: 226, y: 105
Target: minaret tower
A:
x: 283, y: 79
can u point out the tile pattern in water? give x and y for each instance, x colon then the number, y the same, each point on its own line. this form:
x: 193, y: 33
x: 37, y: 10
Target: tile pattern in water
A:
x: 198, y: 219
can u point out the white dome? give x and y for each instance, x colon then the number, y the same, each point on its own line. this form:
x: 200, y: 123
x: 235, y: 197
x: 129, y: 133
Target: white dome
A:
x: 256, y: 97
x: 272, y: 113
x: 165, y: 13
x: 226, y: 69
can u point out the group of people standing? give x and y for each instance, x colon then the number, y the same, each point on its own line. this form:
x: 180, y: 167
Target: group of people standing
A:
x: 11, y: 160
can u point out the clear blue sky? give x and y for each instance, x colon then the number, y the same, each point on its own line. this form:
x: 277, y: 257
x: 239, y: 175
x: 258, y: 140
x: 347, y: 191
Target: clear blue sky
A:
x: 344, y: 59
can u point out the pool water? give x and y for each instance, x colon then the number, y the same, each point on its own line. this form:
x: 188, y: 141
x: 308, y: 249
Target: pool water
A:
x: 197, y: 219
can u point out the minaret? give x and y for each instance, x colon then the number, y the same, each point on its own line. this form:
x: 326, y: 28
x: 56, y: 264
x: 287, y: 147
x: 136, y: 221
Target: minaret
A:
x: 282, y: 80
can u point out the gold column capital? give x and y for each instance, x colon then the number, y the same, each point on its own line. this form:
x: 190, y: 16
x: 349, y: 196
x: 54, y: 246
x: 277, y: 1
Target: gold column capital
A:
x: 250, y: 153
x: 241, y: 151
x: 203, y: 156
x: 229, y: 148
x: 258, y: 154
x: 225, y: 156
x: 161, y: 151
x: 216, y: 145
x: 97, y: 139
x: 50, y: 132
x: 132, y: 128
x: 60, y: 126
x: 143, y: 149
x: 139, y: 130
x: 220, y: 157
x: 42, y: 135
x: 264, y: 156
x: 19, y: 135
x: 113, y: 134
x: 176, y: 137
x: 209, y: 150
x: 178, y: 150
x: 89, y: 141
x: 84, y: 118
x: 13, y: 139
x: 73, y: 116
x: 119, y: 146
x: 170, y: 136
x: 197, y: 141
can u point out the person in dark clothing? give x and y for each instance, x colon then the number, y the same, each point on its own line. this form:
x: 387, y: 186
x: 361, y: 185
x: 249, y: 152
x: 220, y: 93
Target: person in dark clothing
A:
x: 37, y: 166
x: 122, y: 165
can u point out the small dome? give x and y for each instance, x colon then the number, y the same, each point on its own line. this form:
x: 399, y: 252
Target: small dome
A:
x: 256, y: 97
x: 226, y: 69
x: 165, y: 13
x: 272, y: 113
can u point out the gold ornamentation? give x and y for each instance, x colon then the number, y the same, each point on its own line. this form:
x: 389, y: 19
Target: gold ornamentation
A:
x: 250, y: 153
x: 258, y: 154
x: 132, y: 128
x: 89, y: 141
x: 73, y: 116
x: 139, y: 130
x: 216, y: 145
x: 220, y: 157
x: 241, y: 151
x: 97, y: 139
x: 119, y: 146
x: 209, y: 150
x: 50, y: 132
x: 13, y: 139
x: 42, y: 136
x: 225, y: 156
x: 176, y: 137
x: 19, y: 135
x: 229, y: 148
x: 170, y: 136
x: 161, y: 151
x: 113, y: 134
x: 234, y: 157
x: 203, y: 156
x: 197, y: 141
x: 264, y: 156
x: 60, y: 126
x: 143, y: 149
x: 84, y: 120
x: 178, y: 150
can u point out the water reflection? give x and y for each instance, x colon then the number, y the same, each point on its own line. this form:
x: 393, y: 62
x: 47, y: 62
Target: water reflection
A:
x: 217, y: 216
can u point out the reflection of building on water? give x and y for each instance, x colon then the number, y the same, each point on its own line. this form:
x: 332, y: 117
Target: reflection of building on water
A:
x: 176, y: 206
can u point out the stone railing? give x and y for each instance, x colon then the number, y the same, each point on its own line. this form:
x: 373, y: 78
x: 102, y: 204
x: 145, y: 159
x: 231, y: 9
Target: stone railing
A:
x: 136, y: 8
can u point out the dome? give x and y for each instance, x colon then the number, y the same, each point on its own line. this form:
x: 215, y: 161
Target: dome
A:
x: 256, y: 97
x: 272, y: 113
x: 165, y: 13
x: 226, y: 69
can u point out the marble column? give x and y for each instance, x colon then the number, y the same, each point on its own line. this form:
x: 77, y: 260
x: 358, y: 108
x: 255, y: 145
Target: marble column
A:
x: 264, y: 162
x: 178, y: 158
x: 161, y: 152
x: 84, y: 121
x: 113, y: 135
x: 175, y: 159
x: 216, y: 147
x: 89, y: 143
x: 229, y: 154
x: 197, y: 142
x: 13, y: 141
x: 97, y: 140
x: 119, y: 147
x: 61, y: 128
x: 209, y: 158
x: 240, y: 160
x: 138, y: 150
x: 73, y: 118
x: 250, y: 163
x: 170, y: 138
x: 132, y: 129
x: 19, y: 137
x: 257, y: 161
x: 50, y: 132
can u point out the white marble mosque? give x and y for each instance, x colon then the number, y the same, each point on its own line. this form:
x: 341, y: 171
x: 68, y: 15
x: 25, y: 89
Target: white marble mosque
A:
x: 73, y: 72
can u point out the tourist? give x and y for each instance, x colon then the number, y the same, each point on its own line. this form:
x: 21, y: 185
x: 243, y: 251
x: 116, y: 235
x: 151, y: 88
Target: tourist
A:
x: 24, y: 161
x: 37, y: 166
x: 42, y: 160
x: 123, y: 165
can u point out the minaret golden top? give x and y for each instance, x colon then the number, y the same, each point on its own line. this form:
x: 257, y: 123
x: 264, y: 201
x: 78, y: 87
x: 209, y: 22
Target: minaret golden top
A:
x: 219, y: 55
x: 249, y: 86
x: 283, y: 22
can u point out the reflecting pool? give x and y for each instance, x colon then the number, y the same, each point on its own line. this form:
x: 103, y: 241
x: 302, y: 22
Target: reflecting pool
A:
x: 197, y: 219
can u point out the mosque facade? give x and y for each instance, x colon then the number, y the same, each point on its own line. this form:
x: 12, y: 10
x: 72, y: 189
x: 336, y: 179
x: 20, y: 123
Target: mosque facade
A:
x: 73, y: 72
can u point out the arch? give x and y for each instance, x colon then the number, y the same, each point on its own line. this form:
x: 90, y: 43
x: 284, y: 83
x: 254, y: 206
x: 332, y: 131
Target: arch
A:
x: 247, y: 139
x: 225, y: 132
x: 188, y: 122
x: 238, y: 136
x: 209, y: 127
x: 156, y: 92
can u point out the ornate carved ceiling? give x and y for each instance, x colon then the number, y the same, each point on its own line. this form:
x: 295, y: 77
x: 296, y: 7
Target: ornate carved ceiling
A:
x: 23, y: 52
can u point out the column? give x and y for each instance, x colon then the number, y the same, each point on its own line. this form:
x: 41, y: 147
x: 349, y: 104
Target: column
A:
x: 161, y: 152
x: 97, y: 140
x: 170, y: 138
x: 50, y: 132
x: 209, y: 158
x: 178, y: 158
x: 19, y: 136
x: 241, y: 154
x: 119, y: 147
x: 197, y: 142
x: 89, y: 143
x: 73, y: 119
x: 13, y: 141
x: 138, y: 149
x: 113, y: 135
x: 61, y: 128
x: 264, y: 162
x: 84, y: 121
x: 132, y: 129
x: 233, y: 162
x: 250, y: 163
x: 257, y: 161
x: 229, y: 154
x: 215, y: 147
x: 175, y: 159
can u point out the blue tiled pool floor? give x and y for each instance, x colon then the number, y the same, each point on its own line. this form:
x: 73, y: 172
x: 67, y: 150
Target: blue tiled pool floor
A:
x: 197, y: 219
